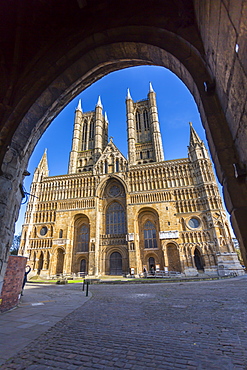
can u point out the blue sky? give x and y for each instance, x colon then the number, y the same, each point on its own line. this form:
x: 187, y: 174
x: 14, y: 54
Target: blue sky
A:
x: 176, y: 107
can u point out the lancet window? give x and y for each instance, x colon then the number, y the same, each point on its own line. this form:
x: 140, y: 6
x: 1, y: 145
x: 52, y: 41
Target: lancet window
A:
x: 138, y: 122
x: 150, y: 240
x: 145, y: 118
x: 115, y: 219
x: 84, y: 136
x: 83, y: 238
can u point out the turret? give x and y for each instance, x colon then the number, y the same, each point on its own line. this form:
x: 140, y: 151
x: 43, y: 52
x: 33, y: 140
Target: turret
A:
x: 155, y: 127
x: 105, y: 131
x: 196, y: 148
x: 42, y: 169
x: 131, y: 129
x: 76, y: 139
x: 99, y: 124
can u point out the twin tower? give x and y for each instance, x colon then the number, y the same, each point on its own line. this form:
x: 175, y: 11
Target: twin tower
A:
x: 90, y: 137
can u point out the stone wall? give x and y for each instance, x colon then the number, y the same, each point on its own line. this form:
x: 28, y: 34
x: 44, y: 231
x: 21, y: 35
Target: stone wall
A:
x: 12, y: 283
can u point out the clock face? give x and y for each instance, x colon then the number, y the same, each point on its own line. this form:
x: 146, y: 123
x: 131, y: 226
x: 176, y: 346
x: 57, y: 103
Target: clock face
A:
x: 194, y: 223
x: 114, y: 191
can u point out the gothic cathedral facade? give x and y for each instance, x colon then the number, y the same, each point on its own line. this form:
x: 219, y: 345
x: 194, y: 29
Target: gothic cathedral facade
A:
x: 111, y: 215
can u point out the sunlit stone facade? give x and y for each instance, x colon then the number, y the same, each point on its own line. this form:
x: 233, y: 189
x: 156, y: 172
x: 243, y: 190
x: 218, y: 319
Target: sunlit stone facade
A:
x: 110, y: 215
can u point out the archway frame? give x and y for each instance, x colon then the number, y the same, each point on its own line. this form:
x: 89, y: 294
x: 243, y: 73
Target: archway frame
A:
x: 83, y: 64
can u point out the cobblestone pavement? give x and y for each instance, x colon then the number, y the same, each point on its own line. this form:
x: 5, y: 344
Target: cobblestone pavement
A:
x: 195, y: 325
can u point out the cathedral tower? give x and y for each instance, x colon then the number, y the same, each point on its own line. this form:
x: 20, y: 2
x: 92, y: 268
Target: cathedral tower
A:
x: 90, y: 137
x: 144, y: 137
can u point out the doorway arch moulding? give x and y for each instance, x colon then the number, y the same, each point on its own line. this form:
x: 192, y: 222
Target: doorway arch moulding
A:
x: 38, y: 100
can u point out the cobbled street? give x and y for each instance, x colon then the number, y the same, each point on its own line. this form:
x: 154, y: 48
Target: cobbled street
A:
x: 189, y: 325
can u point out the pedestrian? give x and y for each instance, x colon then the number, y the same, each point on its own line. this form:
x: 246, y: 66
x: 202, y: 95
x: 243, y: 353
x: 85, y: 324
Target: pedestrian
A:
x: 28, y: 269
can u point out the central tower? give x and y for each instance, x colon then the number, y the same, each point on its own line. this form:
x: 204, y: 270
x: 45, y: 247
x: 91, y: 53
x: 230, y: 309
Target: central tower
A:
x: 144, y: 138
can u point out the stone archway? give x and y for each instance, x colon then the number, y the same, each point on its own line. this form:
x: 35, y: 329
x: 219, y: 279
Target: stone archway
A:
x: 116, y: 264
x: 178, y: 35
x: 198, y: 260
x: 83, y: 265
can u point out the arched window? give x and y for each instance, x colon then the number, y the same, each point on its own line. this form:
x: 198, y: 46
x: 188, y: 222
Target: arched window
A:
x: 84, y: 136
x: 145, y: 118
x: 138, y: 122
x: 115, y: 219
x: 91, y: 132
x: 150, y: 235
x: 83, y: 238
x: 106, y: 167
x: 117, y: 165
x: 60, y: 233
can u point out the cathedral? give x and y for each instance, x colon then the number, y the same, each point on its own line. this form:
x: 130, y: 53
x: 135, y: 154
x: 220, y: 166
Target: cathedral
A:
x: 112, y: 215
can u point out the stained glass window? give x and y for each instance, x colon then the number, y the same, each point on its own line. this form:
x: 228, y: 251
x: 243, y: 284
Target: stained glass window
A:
x: 115, y: 219
x: 150, y: 235
x: 83, y: 238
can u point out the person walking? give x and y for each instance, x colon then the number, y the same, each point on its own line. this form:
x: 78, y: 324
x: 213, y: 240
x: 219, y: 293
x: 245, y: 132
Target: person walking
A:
x: 28, y: 269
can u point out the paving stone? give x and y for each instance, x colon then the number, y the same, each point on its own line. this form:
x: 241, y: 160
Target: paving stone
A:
x: 115, y: 329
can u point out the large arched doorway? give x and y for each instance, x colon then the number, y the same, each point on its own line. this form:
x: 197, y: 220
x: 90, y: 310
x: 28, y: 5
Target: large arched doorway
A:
x: 198, y: 260
x: 116, y: 264
x: 83, y: 265
x: 151, y: 264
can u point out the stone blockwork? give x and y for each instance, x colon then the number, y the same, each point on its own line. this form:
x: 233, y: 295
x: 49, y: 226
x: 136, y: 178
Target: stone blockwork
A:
x: 47, y: 59
x: 112, y: 216
x: 12, y: 285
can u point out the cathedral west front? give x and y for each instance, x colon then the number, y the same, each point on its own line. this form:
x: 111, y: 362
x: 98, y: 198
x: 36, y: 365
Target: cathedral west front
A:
x: 112, y: 215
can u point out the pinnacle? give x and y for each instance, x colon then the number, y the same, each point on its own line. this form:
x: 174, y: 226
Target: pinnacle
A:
x: 106, y: 118
x: 79, y: 106
x: 128, y: 95
x: 151, y: 87
x: 99, y: 104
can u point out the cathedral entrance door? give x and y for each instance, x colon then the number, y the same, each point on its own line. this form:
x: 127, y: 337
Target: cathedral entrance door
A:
x: 83, y: 266
x: 116, y: 264
x: 151, y: 264
x: 198, y: 260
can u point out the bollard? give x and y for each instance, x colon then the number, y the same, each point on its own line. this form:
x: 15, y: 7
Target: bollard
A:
x: 83, y: 284
x: 87, y: 289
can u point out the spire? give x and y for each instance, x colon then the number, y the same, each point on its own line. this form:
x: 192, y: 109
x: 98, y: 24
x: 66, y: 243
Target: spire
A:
x: 43, y: 162
x: 42, y: 169
x: 151, y: 87
x: 99, y: 104
x: 196, y: 148
x: 128, y: 95
x: 194, y: 138
x: 79, y: 106
x: 106, y: 118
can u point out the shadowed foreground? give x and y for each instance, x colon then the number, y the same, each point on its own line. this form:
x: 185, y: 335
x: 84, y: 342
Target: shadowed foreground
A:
x: 195, y: 325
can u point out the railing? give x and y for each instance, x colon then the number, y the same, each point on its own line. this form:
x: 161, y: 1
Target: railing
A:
x: 160, y: 274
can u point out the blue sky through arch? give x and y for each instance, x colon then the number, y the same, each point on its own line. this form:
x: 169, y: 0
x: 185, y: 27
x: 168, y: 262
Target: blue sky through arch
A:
x: 176, y: 107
